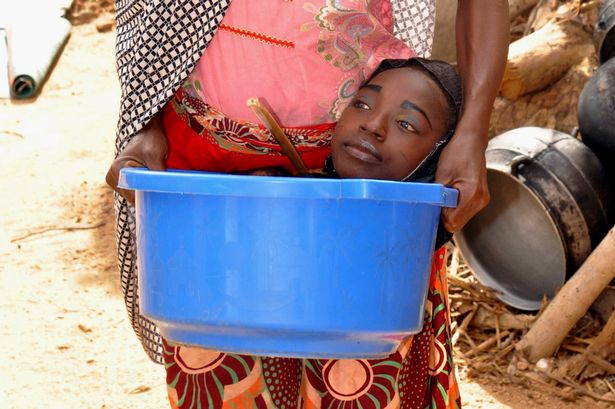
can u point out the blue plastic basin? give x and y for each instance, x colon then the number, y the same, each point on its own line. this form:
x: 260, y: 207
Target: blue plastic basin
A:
x: 284, y: 266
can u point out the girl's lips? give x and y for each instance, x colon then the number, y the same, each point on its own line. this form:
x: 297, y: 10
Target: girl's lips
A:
x: 363, y: 151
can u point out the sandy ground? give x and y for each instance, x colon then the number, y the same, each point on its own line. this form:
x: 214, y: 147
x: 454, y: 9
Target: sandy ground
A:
x: 67, y: 341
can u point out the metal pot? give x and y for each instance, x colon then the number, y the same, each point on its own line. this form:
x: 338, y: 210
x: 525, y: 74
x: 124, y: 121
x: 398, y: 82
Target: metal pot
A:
x: 596, y: 110
x: 604, y: 33
x: 549, y: 207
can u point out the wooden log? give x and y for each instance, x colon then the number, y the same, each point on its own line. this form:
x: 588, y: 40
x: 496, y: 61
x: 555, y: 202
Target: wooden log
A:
x: 518, y: 7
x: 605, y: 304
x: 585, y: 12
x: 554, y: 107
x: 543, y: 57
x: 503, y: 321
x: 487, y: 343
x: 548, y: 10
x: 604, y: 344
x: 544, y: 11
x: 571, y: 302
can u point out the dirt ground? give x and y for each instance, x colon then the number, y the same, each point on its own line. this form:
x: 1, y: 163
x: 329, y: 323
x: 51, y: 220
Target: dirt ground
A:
x: 66, y: 335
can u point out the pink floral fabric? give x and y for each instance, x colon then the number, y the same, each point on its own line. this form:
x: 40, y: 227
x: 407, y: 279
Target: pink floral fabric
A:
x: 315, y: 51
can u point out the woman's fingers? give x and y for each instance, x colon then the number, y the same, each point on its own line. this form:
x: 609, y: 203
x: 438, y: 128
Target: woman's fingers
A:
x: 147, y: 149
x: 113, y: 175
x: 462, y: 166
x: 472, y: 199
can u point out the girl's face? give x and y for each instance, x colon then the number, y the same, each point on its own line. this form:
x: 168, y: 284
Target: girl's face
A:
x: 391, y: 125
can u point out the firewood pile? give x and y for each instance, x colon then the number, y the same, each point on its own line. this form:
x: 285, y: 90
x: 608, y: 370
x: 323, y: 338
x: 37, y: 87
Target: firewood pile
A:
x: 551, y: 57
x: 567, y: 348
x: 488, y: 338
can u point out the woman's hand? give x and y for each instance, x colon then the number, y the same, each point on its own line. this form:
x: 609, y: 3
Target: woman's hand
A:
x: 462, y: 166
x: 482, y: 45
x: 147, y: 149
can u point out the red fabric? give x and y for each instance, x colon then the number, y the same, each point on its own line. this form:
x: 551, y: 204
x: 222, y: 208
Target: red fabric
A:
x: 191, y: 151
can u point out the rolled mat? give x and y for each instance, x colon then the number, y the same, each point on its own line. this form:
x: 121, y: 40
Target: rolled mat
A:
x: 33, y: 45
x: 5, y: 91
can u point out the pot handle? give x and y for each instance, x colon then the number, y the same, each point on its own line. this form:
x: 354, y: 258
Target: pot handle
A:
x: 517, y: 162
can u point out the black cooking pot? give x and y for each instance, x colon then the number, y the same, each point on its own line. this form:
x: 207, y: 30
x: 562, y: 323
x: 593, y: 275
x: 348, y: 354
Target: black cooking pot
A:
x: 604, y: 32
x: 596, y: 111
x: 550, y: 206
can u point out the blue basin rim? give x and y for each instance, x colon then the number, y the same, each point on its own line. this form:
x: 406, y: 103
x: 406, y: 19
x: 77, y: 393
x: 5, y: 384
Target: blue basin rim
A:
x: 217, y: 184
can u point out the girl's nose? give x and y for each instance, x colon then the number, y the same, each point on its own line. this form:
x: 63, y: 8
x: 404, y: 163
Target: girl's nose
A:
x: 375, y: 125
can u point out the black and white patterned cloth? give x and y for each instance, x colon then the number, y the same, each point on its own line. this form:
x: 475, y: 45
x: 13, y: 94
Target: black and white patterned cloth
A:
x: 158, y: 45
x: 414, y: 24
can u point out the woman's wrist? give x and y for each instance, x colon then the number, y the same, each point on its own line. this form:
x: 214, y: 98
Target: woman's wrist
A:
x: 153, y: 125
x: 474, y: 129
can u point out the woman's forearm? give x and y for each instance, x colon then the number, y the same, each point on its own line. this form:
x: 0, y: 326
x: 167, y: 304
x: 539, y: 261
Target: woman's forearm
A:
x: 155, y: 123
x: 482, y: 46
x: 482, y: 31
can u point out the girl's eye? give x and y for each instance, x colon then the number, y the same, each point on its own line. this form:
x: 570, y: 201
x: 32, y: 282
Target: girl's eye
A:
x: 406, y: 125
x: 361, y: 105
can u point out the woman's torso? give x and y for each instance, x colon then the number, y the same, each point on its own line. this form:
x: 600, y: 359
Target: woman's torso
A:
x: 304, y: 58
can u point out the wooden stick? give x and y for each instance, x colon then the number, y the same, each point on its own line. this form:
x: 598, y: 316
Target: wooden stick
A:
x: 467, y: 337
x: 572, y: 302
x: 272, y: 125
x: 518, y: 7
x: 464, y: 324
x: 9, y: 132
x: 486, y: 344
x: 501, y: 354
x: 602, y: 363
x: 454, y: 267
x: 497, y: 331
x: 535, y: 378
x: 590, y: 5
x: 604, y: 344
x: 574, y: 348
x: 576, y: 387
x: 540, y: 14
x: 583, y: 340
x: 503, y: 320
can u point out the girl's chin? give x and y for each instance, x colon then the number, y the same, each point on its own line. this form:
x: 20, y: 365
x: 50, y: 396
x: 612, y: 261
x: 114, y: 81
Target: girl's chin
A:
x: 355, y: 172
x: 364, y: 171
x: 349, y: 167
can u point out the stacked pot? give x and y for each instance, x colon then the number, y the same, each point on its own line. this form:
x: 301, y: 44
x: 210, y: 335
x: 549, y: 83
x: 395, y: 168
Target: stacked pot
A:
x: 596, y: 109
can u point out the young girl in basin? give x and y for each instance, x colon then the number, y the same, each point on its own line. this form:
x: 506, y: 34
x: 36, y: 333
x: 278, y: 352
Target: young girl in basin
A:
x: 394, y: 128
